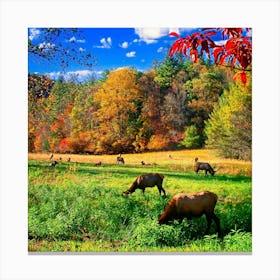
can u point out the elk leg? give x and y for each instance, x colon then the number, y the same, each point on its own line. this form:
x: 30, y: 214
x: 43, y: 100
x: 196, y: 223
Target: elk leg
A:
x: 217, y: 221
x: 209, y: 221
x: 160, y: 188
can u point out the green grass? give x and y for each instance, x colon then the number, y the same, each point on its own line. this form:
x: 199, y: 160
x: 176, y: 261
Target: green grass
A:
x: 79, y: 207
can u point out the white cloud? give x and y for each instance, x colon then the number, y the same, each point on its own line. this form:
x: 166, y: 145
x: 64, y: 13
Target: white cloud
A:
x: 46, y: 46
x: 220, y: 43
x: 151, y: 35
x: 124, y: 45
x: 82, y: 49
x: 74, y: 39
x: 131, y: 54
x: 160, y: 49
x: 81, y: 75
x: 249, y: 33
x: 34, y: 32
x: 105, y: 43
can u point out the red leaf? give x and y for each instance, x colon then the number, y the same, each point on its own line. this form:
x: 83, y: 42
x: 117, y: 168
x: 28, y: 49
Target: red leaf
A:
x: 174, y: 34
x: 243, y: 78
x: 193, y: 55
x: 230, y: 44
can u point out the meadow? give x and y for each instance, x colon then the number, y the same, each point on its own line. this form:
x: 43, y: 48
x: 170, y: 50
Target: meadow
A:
x: 79, y: 207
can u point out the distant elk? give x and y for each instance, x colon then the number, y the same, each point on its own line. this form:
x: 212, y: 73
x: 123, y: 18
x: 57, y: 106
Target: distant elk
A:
x: 144, y: 163
x: 53, y: 163
x: 190, y: 206
x: 203, y: 166
x: 120, y: 159
x: 69, y: 159
x: 147, y: 181
x: 98, y: 163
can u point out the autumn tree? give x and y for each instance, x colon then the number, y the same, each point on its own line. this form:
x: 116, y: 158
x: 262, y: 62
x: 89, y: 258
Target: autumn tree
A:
x: 203, y: 93
x: 116, y: 108
x: 83, y: 120
x: 174, y: 112
x: 39, y: 88
x: 236, y: 52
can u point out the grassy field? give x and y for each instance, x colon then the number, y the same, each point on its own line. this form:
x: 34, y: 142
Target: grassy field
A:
x: 79, y: 207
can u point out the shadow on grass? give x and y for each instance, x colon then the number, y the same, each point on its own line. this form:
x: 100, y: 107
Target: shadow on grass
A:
x: 133, y: 171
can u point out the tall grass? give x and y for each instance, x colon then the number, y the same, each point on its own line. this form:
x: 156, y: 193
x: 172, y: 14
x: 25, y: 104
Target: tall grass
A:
x: 80, y: 207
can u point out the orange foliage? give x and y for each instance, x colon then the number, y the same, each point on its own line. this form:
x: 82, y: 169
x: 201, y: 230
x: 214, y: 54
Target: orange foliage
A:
x: 158, y: 142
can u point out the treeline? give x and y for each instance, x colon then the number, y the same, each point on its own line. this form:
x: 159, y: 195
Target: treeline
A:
x: 167, y: 107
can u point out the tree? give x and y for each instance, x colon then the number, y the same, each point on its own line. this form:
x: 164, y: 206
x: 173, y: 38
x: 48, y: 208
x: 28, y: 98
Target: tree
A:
x: 193, y: 138
x: 116, y: 108
x: 204, y: 92
x: 236, y: 52
x: 39, y: 89
x: 58, y: 46
x: 229, y: 128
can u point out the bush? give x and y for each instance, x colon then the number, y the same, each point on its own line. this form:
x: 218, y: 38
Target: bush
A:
x: 193, y: 138
x: 158, y: 142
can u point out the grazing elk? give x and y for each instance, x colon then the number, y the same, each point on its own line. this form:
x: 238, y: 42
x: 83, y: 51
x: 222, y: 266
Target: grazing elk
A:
x: 53, y: 163
x: 191, y: 205
x: 147, y: 181
x: 120, y: 159
x: 98, y: 163
x: 203, y: 166
x: 144, y: 163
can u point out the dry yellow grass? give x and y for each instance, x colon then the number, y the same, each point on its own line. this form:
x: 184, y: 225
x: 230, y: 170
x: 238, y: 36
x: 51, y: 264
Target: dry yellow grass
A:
x: 181, y: 160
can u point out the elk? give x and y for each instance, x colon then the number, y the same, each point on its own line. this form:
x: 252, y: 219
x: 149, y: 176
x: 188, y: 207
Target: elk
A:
x: 203, y: 166
x: 53, y: 163
x: 120, y: 159
x: 144, y: 163
x: 192, y: 205
x: 98, y: 163
x: 147, y: 181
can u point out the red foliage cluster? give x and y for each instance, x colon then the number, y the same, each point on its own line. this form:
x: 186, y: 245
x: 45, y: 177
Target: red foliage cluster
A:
x: 236, y: 51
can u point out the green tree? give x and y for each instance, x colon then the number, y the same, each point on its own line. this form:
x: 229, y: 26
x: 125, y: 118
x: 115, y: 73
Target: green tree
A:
x: 229, y: 128
x: 193, y: 138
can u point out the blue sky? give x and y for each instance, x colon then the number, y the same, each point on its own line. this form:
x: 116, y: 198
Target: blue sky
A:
x: 113, y: 47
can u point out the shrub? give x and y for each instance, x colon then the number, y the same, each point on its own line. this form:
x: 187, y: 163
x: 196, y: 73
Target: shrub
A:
x: 158, y: 142
x: 193, y: 138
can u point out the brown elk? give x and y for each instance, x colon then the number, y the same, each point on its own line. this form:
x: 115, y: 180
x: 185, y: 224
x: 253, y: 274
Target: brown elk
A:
x: 120, y: 159
x: 203, y: 166
x: 191, y: 205
x: 147, y: 181
x: 53, y: 163
x: 98, y: 163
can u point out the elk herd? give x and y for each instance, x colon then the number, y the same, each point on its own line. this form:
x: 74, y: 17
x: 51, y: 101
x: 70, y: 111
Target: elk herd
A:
x: 181, y: 205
